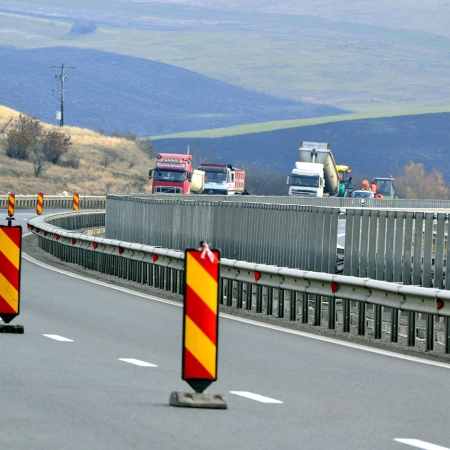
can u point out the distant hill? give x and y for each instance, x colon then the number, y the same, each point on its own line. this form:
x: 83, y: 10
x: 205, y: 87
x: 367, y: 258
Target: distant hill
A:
x: 107, y: 91
x: 371, y: 147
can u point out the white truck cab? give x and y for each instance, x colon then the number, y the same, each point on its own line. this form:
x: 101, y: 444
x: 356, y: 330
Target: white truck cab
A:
x: 306, y: 180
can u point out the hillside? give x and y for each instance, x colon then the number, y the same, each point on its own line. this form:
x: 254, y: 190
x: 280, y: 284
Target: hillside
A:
x: 366, y: 57
x: 125, y: 172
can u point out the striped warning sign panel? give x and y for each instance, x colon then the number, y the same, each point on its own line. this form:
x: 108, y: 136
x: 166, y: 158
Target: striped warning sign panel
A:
x: 10, y: 256
x: 200, y: 325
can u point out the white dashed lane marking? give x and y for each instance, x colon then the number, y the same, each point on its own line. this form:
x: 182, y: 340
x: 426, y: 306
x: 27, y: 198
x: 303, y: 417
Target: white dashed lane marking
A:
x: 137, y: 362
x: 421, y: 444
x: 257, y: 397
x: 57, y: 338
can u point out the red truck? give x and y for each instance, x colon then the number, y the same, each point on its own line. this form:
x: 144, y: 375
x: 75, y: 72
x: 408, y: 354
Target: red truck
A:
x: 173, y: 174
x: 223, y: 179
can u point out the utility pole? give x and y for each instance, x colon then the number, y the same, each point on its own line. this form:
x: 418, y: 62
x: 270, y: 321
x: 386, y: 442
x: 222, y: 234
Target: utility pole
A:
x: 62, y: 78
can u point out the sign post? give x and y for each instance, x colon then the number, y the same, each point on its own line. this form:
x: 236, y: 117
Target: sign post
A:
x: 200, y: 329
x: 10, y: 259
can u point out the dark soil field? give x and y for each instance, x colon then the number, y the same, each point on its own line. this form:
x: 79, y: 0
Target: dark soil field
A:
x: 371, y: 147
x: 109, y: 91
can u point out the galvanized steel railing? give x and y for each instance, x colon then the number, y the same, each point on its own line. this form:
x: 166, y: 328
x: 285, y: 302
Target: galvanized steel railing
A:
x: 398, y: 245
x: 335, y: 202
x: 392, y: 310
x: 285, y: 235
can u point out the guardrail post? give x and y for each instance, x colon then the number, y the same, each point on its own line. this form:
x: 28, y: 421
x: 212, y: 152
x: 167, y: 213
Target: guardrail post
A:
x: 221, y: 290
x: 269, y: 310
x: 175, y: 276
x: 361, y: 318
x: 293, y: 306
x: 305, y: 307
x: 317, y: 309
x: 346, y: 316
x: 430, y: 332
x: 447, y: 334
x: 259, y: 299
x: 229, y: 292
x: 394, y: 325
x: 249, y: 296
x: 280, y: 312
x: 331, y: 313
x: 378, y: 320
x: 169, y: 273
x: 157, y: 274
x: 411, y: 328
x: 240, y: 294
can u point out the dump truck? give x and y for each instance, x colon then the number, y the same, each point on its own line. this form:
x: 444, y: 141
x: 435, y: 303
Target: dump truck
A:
x: 315, y: 174
x: 173, y: 174
x: 223, y: 179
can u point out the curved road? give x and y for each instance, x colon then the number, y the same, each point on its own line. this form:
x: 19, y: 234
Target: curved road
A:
x: 97, y: 363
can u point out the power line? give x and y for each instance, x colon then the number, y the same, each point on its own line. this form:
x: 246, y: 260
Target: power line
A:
x: 62, y: 78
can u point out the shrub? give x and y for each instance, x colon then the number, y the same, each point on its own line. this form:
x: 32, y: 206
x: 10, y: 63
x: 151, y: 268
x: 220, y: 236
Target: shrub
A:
x: 22, y: 137
x: 54, y: 144
x: 70, y: 159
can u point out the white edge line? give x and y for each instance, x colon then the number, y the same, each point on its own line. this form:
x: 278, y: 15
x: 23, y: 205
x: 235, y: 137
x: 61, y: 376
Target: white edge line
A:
x: 137, y: 362
x: 243, y: 320
x: 421, y: 444
x: 257, y: 397
x: 56, y: 337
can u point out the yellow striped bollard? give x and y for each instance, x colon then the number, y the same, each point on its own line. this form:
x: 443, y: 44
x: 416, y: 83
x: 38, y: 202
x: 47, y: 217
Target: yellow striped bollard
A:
x: 200, y: 329
x: 76, y: 201
x: 11, y: 204
x: 39, y: 204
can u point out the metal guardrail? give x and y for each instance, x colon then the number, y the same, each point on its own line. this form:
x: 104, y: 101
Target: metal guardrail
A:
x: 270, y: 290
x: 55, y: 202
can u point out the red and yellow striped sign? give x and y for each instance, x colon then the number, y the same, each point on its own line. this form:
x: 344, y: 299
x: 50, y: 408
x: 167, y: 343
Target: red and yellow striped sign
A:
x: 76, y: 201
x: 11, y: 204
x: 200, y: 327
x: 40, y: 203
x: 10, y: 256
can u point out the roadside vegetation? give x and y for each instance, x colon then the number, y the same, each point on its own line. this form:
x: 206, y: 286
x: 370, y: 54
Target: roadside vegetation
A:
x: 37, y: 157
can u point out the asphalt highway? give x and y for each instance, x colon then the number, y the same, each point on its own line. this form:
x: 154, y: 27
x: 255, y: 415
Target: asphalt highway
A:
x: 97, y: 363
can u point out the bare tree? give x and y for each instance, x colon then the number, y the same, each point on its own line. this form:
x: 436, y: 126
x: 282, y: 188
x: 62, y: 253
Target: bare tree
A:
x: 146, y: 146
x: 39, y: 161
